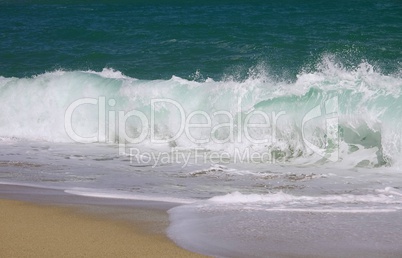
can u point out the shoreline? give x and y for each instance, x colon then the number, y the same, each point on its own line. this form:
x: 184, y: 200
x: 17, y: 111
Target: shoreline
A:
x: 32, y: 217
x: 74, y: 227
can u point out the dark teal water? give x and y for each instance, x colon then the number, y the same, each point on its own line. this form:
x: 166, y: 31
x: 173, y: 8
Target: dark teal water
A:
x: 158, y: 39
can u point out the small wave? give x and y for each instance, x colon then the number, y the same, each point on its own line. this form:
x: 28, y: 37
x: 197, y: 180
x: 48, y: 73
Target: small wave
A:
x: 382, y: 200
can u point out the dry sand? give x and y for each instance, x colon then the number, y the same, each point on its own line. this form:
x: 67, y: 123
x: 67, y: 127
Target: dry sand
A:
x: 31, y: 230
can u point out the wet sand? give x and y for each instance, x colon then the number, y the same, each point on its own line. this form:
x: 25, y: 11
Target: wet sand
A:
x: 41, y: 230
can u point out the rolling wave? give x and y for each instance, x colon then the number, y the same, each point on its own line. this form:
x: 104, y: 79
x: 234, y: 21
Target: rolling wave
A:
x: 333, y: 113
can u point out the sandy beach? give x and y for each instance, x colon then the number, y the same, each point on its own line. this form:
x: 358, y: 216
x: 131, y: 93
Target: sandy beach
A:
x: 36, y: 230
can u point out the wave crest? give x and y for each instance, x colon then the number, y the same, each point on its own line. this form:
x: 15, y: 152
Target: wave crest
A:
x: 363, y: 132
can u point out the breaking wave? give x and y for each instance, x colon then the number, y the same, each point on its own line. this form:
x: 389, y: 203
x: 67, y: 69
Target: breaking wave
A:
x: 333, y: 113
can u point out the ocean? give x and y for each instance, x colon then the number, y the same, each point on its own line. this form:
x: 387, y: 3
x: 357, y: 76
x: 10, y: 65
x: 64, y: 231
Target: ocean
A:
x: 274, y: 126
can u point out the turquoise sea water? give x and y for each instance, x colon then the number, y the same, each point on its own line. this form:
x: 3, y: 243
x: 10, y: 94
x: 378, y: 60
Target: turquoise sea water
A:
x: 151, y: 100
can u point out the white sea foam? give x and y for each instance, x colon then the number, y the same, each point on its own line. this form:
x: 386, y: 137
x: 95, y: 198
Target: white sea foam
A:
x: 108, y: 194
x: 332, y: 203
